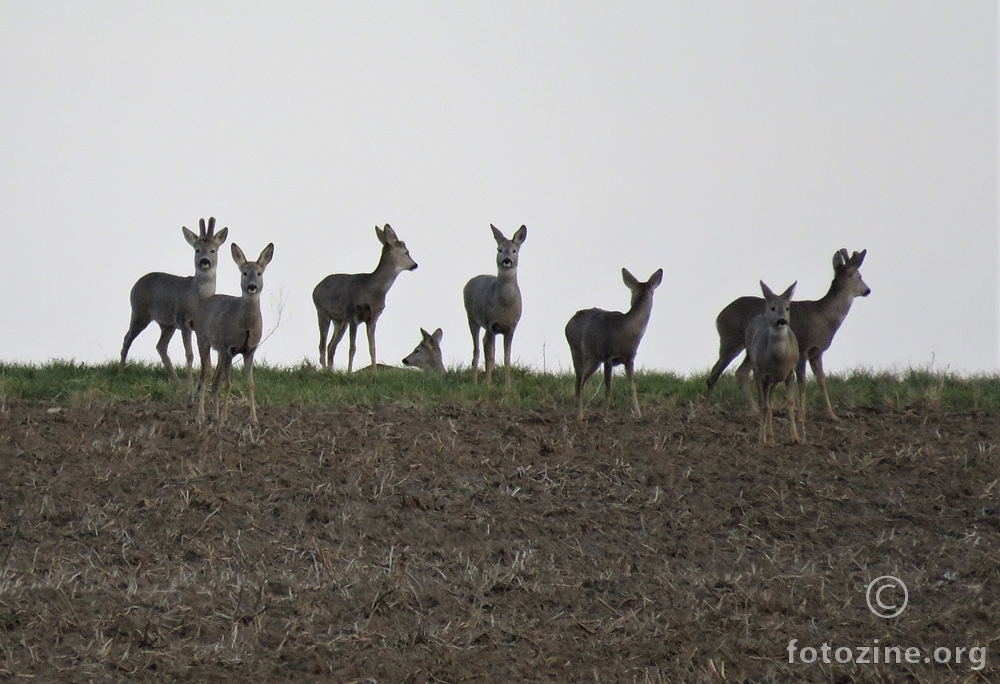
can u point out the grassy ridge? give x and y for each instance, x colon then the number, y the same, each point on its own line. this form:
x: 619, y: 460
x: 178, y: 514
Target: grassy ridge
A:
x: 68, y: 382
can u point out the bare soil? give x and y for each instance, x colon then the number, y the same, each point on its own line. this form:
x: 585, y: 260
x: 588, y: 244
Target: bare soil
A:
x: 485, y: 543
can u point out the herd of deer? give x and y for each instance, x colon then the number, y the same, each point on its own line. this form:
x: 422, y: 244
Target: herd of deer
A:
x: 779, y: 335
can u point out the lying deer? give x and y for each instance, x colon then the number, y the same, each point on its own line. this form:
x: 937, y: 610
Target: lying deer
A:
x: 597, y: 336
x: 773, y: 353
x: 231, y: 326
x: 814, y: 323
x: 493, y: 303
x: 172, y: 301
x: 348, y: 300
x: 427, y: 354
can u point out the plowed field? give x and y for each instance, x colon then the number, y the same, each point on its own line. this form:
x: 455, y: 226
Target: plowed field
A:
x: 401, y: 543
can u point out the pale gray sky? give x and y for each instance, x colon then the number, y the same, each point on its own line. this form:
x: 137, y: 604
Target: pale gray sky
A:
x: 725, y: 142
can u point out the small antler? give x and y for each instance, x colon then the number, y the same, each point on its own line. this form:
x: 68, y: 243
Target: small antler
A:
x: 211, y: 226
x: 201, y: 227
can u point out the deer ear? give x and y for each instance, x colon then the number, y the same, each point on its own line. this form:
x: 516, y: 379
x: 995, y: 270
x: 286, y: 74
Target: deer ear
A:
x: 380, y: 235
x: 265, y: 256
x: 766, y: 290
x: 221, y: 236
x: 787, y: 294
x: 191, y: 238
x: 497, y: 235
x: 631, y: 282
x: 438, y: 334
x: 238, y: 255
x: 839, y: 260
x: 858, y: 257
x: 390, y: 234
x: 656, y: 278
x: 520, y: 236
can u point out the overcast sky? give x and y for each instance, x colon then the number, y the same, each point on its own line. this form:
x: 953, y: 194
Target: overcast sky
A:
x: 725, y: 142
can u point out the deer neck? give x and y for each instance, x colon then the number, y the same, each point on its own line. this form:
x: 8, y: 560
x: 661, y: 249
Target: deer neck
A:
x: 204, y: 282
x: 637, y: 317
x: 507, y: 290
x: 835, y: 305
x: 507, y: 277
x: 384, y: 274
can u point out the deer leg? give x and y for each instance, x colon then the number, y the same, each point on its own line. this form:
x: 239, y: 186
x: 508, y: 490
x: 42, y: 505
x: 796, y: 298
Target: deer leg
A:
x: 474, y: 328
x: 248, y: 371
x: 206, y: 363
x: 761, y: 421
x: 220, y: 372
x: 508, y: 341
x: 790, y: 402
x: 324, y: 329
x: 742, y: 374
x: 585, y: 370
x: 800, y: 375
x: 629, y: 373
x: 353, y: 342
x: 489, y: 350
x: 228, y: 389
x: 608, y: 368
x: 726, y: 355
x: 767, y: 411
x: 224, y: 363
x: 370, y: 329
x: 339, y: 329
x: 136, y: 326
x: 578, y: 381
x: 188, y: 351
x: 166, y: 332
x: 817, y: 368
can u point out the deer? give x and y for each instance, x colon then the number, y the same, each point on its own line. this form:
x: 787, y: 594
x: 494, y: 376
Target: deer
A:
x: 814, y: 323
x: 232, y: 325
x: 427, y: 354
x: 773, y: 352
x: 493, y: 304
x: 172, y: 301
x: 597, y: 336
x: 347, y: 300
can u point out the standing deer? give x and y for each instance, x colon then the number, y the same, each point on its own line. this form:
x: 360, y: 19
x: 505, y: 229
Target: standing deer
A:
x: 814, y: 323
x: 773, y: 353
x: 597, y: 336
x: 172, y: 301
x: 348, y: 300
x: 493, y: 303
x: 427, y: 354
x: 231, y: 326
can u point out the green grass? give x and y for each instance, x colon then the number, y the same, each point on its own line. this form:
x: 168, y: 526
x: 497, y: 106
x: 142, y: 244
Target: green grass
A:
x: 67, y: 382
